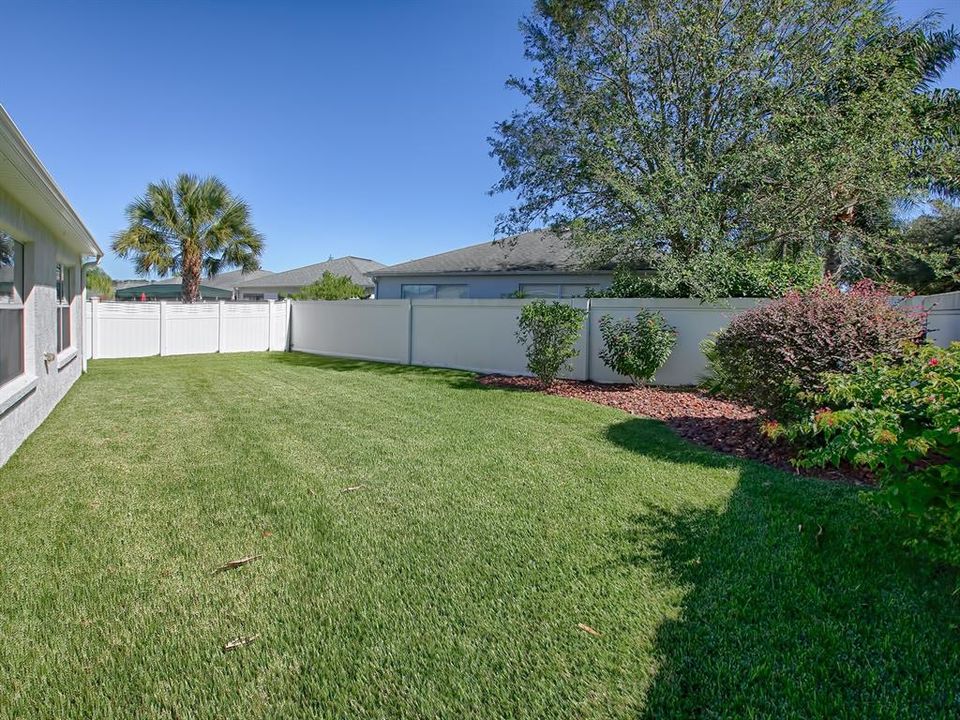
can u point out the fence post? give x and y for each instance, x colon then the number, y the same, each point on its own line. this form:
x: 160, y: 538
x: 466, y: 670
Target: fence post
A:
x: 288, y: 324
x: 163, y: 328
x: 221, y: 324
x: 409, y: 331
x: 94, y: 328
x: 588, y: 342
x: 269, y: 325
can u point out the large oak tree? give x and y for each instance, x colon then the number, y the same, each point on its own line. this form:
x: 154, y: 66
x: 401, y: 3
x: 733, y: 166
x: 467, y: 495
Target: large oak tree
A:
x: 690, y: 126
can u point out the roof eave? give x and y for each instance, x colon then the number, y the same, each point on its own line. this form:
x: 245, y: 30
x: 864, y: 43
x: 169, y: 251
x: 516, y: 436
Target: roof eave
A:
x: 55, y: 211
x: 553, y: 271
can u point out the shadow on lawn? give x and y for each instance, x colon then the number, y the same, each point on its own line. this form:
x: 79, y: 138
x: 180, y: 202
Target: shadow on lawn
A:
x: 325, y: 362
x: 801, y: 600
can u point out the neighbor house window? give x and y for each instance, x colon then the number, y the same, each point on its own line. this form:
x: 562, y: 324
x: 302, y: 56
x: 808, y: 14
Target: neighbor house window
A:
x: 433, y: 292
x: 64, y: 296
x: 555, y: 290
x: 11, y: 309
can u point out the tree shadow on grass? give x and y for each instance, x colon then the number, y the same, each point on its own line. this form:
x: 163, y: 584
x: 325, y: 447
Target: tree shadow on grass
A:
x: 800, y: 600
x: 334, y: 364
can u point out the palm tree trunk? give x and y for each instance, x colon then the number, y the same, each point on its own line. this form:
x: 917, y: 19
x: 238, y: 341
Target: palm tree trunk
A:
x: 191, y: 276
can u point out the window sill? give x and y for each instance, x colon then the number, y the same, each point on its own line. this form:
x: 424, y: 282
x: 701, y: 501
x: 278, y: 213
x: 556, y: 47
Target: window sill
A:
x: 15, y: 390
x: 65, y: 357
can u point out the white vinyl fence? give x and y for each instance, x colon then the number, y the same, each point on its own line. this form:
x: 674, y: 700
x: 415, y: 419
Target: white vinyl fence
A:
x: 476, y: 335
x: 138, y: 329
x: 479, y: 335
x: 943, y: 320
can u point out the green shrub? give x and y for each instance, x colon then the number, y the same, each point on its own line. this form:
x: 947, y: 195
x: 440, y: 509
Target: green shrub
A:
x: 550, y: 333
x: 718, y: 275
x: 637, y: 348
x: 330, y: 287
x: 769, y: 354
x: 902, y: 419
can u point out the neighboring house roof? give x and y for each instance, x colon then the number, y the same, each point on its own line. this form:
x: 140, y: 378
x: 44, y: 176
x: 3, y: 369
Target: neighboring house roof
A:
x: 224, y: 281
x: 356, y: 268
x: 530, y: 252
x: 163, y: 290
x: 24, y: 177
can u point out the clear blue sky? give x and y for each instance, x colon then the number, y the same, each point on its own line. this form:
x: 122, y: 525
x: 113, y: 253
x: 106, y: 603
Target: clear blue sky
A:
x: 351, y: 128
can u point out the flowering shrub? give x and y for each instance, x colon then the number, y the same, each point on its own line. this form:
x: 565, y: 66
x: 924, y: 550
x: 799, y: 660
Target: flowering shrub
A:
x: 901, y: 419
x: 550, y: 334
x: 637, y: 348
x: 767, y: 355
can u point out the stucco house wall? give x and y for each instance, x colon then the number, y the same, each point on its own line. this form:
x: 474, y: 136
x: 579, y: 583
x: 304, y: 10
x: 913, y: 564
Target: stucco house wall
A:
x: 27, y: 399
x: 487, y: 286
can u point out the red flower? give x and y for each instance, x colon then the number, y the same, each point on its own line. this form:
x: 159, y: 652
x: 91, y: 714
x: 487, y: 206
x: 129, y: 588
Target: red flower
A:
x: 934, y: 362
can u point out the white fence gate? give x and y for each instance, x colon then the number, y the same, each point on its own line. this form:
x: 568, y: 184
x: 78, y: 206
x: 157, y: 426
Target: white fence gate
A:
x: 138, y: 329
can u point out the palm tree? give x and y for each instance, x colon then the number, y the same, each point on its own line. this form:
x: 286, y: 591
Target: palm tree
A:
x: 186, y: 227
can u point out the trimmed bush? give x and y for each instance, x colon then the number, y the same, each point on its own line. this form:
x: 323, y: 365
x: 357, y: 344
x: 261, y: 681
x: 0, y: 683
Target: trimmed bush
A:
x: 637, y: 348
x: 330, y: 287
x: 550, y: 333
x: 901, y: 419
x: 769, y: 354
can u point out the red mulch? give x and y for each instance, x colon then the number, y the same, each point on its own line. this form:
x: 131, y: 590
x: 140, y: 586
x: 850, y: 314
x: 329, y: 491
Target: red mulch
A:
x: 720, y: 424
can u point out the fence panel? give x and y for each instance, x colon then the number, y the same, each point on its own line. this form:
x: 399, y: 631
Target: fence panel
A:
x: 478, y: 335
x: 138, y: 329
x: 944, y: 319
x: 190, y: 328
x: 362, y: 329
x: 245, y: 327
x: 126, y: 329
x: 693, y: 320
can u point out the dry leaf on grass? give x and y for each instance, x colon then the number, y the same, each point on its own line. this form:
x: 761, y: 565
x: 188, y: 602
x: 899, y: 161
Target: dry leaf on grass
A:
x: 587, y: 629
x: 352, y: 488
x: 240, y: 642
x: 236, y: 563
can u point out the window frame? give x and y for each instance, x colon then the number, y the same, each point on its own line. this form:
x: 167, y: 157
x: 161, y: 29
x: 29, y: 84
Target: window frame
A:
x: 14, y: 304
x: 64, y: 284
x: 436, y: 291
x: 558, y: 290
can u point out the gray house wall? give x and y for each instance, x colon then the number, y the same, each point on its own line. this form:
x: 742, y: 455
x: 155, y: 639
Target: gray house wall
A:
x: 486, y: 286
x: 27, y: 400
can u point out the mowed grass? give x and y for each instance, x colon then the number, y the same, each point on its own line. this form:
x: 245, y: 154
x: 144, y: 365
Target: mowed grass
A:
x: 486, y: 526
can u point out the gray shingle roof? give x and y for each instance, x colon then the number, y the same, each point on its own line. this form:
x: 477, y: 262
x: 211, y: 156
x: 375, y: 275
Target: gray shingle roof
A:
x: 224, y: 281
x: 535, y: 251
x: 353, y: 267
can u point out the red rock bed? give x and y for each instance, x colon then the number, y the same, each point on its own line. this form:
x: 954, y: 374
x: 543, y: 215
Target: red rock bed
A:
x: 701, y: 418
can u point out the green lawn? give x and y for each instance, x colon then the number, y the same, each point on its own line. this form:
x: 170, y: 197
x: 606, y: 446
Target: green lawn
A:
x: 488, y: 526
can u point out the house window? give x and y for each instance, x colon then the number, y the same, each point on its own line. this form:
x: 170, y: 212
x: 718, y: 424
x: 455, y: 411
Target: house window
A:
x: 555, y: 290
x: 574, y: 290
x: 64, y: 296
x: 433, y: 292
x: 11, y: 309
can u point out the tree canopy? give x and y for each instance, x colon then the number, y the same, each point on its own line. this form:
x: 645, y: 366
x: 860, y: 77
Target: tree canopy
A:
x: 99, y: 283
x: 669, y: 129
x: 331, y: 287
x: 189, y: 226
x: 932, y: 244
